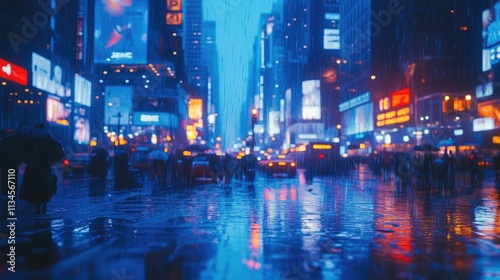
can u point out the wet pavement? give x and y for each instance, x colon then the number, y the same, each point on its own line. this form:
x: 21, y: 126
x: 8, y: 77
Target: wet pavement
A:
x: 332, y: 228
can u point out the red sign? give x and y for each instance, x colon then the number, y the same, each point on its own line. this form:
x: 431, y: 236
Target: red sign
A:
x: 400, y: 98
x: 13, y: 72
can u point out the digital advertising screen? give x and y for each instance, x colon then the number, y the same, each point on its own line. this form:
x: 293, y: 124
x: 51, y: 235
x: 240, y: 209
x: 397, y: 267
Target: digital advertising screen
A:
x: 50, y: 76
x: 83, y: 91
x: 118, y: 106
x: 57, y: 112
x: 311, y: 100
x: 331, y: 32
x: 82, y: 125
x: 358, y: 119
x: 121, y: 31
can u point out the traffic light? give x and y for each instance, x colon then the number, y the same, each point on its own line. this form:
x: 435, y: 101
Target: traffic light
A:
x: 255, y: 113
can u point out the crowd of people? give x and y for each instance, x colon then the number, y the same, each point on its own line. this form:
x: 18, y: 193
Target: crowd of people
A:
x: 427, y: 169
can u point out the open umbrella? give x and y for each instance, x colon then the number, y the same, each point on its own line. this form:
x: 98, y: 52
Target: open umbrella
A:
x: 36, y: 140
x: 196, y: 148
x: 445, y: 143
x: 158, y: 155
x: 425, y: 148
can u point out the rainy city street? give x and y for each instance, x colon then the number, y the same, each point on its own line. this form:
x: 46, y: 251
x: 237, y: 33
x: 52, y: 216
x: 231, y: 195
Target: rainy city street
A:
x: 355, y: 227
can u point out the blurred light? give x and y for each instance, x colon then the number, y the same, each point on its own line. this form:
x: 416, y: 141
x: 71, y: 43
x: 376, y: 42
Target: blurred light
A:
x: 338, y: 61
x: 426, y: 117
x: 336, y: 140
x: 110, y: 104
x: 131, y: 70
x: 468, y: 97
x: 4, y: 83
x: 362, y: 146
x: 421, y: 118
x: 458, y: 132
x: 126, y: 81
x: 406, y: 138
x: 105, y: 72
x: 101, y: 81
x: 426, y: 131
x: 373, y: 77
x: 146, y: 86
x: 387, y: 139
x: 447, y: 98
x: 144, y: 76
x: 154, y: 139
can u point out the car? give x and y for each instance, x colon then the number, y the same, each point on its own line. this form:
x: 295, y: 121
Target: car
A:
x: 139, y: 158
x: 75, y: 164
x: 202, y: 169
x: 279, y: 165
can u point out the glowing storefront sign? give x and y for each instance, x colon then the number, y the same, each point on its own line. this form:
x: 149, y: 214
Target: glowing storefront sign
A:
x: 482, y: 124
x: 496, y: 139
x: 174, y: 14
x: 356, y: 101
x: 14, y: 73
x: 393, y: 117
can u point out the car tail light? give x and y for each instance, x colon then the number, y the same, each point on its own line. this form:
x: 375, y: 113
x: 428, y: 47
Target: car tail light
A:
x: 270, y: 164
x: 281, y: 163
x: 66, y: 162
x: 321, y: 156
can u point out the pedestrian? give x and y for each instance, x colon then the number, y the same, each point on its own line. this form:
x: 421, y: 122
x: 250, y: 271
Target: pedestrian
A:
x: 9, y: 162
x: 228, y: 165
x: 452, y: 166
x: 40, y: 154
x: 496, y: 167
x: 473, y: 169
x: 386, y: 164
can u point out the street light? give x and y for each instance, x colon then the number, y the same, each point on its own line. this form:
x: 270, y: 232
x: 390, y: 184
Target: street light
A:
x: 255, y: 114
x: 339, y: 127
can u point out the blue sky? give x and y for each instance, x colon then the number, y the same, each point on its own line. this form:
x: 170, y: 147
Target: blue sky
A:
x: 236, y: 27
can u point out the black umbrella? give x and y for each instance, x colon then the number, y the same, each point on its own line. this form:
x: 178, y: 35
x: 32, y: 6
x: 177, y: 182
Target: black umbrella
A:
x: 7, y: 148
x: 37, y: 141
x: 425, y: 148
x: 196, y: 148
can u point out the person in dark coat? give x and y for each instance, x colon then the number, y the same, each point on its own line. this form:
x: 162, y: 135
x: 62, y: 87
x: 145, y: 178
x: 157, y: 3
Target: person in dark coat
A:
x: 473, y: 169
x: 39, y: 183
x: 9, y: 162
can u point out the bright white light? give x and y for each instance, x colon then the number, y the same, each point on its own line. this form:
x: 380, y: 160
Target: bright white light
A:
x: 426, y: 131
x: 146, y: 86
x: 126, y: 81
x: 387, y: 139
x: 406, y: 138
x: 101, y: 81
x: 336, y: 140
x: 426, y: 117
x: 144, y: 76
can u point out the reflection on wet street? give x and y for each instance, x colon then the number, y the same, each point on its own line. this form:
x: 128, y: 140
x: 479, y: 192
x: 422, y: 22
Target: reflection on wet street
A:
x: 334, y: 228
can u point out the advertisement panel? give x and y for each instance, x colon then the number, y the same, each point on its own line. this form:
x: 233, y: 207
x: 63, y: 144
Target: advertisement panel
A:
x: 488, y: 116
x: 50, y: 76
x: 311, y: 100
x: 358, y: 119
x: 57, y: 112
x: 83, y: 91
x: 14, y: 73
x: 82, y: 125
x: 273, y: 127
x: 195, y: 112
x: 152, y: 118
x: 331, y: 32
x: 118, y: 106
x: 121, y: 31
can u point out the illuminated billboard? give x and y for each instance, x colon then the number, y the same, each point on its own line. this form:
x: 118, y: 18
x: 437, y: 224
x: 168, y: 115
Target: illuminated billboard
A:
x: 154, y: 118
x: 82, y: 125
x: 489, y: 116
x: 273, y: 127
x: 394, y: 109
x: 57, y: 112
x: 14, y: 73
x: 118, y: 106
x: 331, y: 32
x: 195, y: 112
x: 50, y: 76
x: 311, y: 100
x: 121, y: 31
x: 358, y: 119
x: 83, y: 91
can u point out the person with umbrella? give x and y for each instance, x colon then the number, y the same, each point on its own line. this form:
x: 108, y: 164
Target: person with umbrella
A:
x: 8, y: 161
x: 159, y: 166
x: 39, y: 150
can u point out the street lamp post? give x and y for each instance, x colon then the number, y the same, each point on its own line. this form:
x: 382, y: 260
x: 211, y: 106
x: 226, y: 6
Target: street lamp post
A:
x: 339, y: 127
x: 255, y: 114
